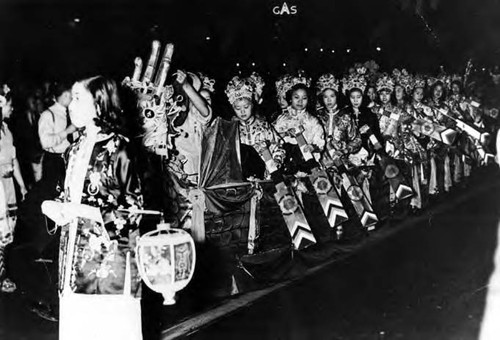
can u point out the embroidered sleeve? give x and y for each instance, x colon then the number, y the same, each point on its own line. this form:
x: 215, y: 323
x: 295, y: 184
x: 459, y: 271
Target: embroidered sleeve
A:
x: 118, y: 210
x: 346, y: 138
x: 314, y: 132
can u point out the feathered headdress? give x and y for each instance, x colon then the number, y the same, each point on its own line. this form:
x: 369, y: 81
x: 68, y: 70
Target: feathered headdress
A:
x: 355, y: 80
x: 239, y: 88
x: 402, y: 78
x: 207, y: 83
x: 327, y: 81
x: 385, y: 82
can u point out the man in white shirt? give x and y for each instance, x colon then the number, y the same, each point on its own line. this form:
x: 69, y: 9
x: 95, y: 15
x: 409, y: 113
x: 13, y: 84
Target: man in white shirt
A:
x: 53, y: 130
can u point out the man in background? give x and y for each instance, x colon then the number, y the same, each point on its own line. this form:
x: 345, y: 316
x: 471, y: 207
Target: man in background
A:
x: 54, y: 129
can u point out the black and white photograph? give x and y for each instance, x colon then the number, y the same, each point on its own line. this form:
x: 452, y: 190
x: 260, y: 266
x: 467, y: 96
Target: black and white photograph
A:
x: 249, y: 169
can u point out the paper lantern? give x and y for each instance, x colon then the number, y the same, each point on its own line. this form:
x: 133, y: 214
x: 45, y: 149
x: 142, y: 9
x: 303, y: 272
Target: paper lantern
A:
x: 166, y: 259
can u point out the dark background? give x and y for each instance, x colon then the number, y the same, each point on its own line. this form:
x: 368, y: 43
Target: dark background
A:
x: 39, y: 39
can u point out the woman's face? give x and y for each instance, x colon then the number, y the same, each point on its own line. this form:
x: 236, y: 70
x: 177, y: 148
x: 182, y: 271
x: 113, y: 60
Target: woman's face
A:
x: 82, y: 108
x: 371, y: 93
x: 329, y: 99
x: 438, y: 92
x: 282, y: 101
x: 206, y: 94
x: 7, y: 109
x: 385, y: 96
x: 356, y: 98
x: 399, y: 91
x: 243, y: 109
x: 418, y: 94
x: 299, y: 99
x: 455, y: 89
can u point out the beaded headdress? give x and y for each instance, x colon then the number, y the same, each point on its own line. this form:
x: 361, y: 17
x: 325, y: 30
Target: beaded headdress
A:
x: 402, y: 78
x: 385, y: 82
x: 239, y: 88
x: 355, y: 80
x: 327, y: 81
x: 444, y: 79
x: 417, y: 81
x: 286, y: 82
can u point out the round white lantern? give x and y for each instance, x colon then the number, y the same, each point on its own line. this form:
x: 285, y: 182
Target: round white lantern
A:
x: 166, y: 259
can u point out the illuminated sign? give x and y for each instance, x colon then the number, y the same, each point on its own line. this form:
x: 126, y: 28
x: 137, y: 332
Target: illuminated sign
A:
x: 285, y: 9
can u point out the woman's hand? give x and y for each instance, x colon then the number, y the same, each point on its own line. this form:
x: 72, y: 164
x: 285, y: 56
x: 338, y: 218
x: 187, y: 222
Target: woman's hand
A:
x: 181, y: 77
x: 23, y: 191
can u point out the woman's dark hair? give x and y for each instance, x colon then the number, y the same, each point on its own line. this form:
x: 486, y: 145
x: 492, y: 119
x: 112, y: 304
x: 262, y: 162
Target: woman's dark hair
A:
x: 394, y: 100
x: 57, y: 89
x: 433, y: 87
x: 105, y: 94
x: 296, y: 87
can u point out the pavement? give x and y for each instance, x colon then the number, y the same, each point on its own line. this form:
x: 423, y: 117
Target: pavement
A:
x: 428, y: 280
x: 425, y: 278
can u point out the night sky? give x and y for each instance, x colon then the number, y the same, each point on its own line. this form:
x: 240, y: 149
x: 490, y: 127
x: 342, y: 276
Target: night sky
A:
x: 41, y: 40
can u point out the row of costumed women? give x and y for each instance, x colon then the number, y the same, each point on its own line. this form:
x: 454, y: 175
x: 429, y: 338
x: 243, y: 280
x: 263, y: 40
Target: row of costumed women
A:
x: 395, y: 144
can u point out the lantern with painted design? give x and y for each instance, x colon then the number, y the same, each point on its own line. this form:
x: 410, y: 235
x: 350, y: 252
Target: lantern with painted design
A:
x: 166, y: 259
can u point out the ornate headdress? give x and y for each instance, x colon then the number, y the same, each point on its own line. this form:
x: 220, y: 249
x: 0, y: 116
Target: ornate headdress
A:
x: 159, y: 105
x: 286, y: 82
x: 417, y: 81
x: 444, y: 79
x: 327, y: 81
x: 456, y: 78
x: 238, y: 88
x: 207, y: 83
x: 385, y: 82
x: 283, y: 84
x: 402, y: 78
x: 372, y: 73
x: 259, y: 85
x: 355, y: 80
x: 156, y: 98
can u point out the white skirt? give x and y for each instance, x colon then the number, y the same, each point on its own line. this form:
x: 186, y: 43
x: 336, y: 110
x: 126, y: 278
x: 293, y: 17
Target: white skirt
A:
x: 99, y: 317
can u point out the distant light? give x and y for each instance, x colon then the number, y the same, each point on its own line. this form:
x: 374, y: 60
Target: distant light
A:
x: 321, y: 50
x: 237, y: 64
x: 77, y: 20
x: 253, y: 64
x: 207, y: 38
x: 378, y: 49
x: 306, y: 49
x: 284, y: 64
x: 484, y: 69
x: 348, y: 50
x: 333, y: 51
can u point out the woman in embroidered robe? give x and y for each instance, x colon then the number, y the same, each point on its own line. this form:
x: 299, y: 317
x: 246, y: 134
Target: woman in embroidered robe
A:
x: 342, y: 136
x: 254, y: 131
x: 99, y: 279
x: 293, y: 118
